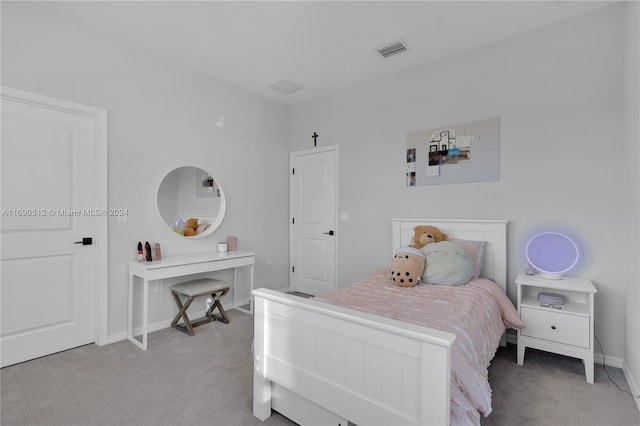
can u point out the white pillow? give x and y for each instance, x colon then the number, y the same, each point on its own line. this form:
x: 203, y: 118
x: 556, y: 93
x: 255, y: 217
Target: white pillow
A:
x: 475, y: 250
x: 446, y: 264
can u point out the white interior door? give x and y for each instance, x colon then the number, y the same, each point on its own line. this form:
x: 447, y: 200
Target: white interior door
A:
x: 313, y: 245
x: 49, y: 282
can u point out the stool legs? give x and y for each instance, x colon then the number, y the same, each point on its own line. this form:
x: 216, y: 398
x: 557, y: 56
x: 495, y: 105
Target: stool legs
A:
x: 216, y: 297
x: 209, y: 316
x: 187, y: 327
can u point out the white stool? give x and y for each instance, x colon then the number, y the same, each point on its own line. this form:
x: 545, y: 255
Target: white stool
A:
x: 192, y: 289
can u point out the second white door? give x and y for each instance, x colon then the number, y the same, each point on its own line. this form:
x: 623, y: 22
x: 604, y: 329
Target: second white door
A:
x: 313, y: 233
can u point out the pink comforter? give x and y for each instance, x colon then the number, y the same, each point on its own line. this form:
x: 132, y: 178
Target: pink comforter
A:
x: 477, y: 313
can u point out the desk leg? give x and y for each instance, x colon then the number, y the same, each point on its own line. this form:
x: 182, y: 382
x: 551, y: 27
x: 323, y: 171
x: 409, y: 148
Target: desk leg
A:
x: 142, y: 345
x: 235, y: 280
x: 130, y: 311
x: 145, y: 314
x: 251, y: 288
x: 235, y: 302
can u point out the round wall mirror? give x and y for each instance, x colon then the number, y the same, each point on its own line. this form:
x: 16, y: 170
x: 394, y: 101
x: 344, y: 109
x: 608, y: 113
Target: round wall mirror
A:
x: 191, y: 202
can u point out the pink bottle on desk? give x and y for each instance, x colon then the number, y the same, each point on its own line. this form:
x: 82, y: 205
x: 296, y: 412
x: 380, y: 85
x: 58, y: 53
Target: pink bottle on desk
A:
x: 232, y: 244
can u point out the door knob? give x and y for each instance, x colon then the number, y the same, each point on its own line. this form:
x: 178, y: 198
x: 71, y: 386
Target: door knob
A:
x: 329, y: 233
x: 86, y: 241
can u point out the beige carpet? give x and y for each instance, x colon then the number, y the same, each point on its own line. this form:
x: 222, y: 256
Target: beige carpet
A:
x: 207, y: 380
x: 180, y: 380
x: 551, y: 390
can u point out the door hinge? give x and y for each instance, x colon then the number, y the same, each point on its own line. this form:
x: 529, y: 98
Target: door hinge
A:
x: 293, y: 220
x: 293, y: 269
x: 293, y: 171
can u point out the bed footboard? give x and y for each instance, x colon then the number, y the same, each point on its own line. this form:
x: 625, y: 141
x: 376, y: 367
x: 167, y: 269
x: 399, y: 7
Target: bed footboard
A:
x: 364, y: 368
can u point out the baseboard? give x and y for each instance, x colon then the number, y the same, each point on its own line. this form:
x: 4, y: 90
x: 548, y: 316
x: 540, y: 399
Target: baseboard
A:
x: 611, y: 361
x: 160, y: 325
x: 113, y: 338
x: 138, y: 331
x: 633, y: 386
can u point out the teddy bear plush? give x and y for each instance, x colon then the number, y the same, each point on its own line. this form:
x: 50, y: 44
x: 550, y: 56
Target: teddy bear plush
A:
x: 190, y: 227
x: 426, y: 234
x: 407, y: 267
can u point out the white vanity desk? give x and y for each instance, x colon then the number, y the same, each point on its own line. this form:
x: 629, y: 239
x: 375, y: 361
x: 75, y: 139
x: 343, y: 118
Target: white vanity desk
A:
x: 178, y: 266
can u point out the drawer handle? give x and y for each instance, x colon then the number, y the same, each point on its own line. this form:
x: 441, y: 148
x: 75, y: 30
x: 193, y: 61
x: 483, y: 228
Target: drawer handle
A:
x: 553, y: 327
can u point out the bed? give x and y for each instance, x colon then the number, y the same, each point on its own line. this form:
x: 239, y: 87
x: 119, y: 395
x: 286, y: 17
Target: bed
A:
x: 322, y: 363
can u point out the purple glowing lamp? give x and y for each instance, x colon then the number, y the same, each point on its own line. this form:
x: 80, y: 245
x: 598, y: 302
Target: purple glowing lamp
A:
x: 552, y: 254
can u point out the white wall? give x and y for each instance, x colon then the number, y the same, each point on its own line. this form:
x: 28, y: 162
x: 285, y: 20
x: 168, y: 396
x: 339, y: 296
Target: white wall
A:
x: 161, y: 115
x: 632, y: 153
x: 558, y: 92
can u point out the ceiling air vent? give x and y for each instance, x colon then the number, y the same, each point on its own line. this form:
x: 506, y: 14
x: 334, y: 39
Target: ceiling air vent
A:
x: 286, y: 87
x: 394, y: 48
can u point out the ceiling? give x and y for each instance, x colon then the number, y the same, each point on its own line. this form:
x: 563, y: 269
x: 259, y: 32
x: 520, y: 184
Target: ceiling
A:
x: 324, y: 46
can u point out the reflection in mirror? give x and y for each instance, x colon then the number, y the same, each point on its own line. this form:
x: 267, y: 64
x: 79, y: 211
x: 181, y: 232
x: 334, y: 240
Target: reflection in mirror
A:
x: 191, y: 202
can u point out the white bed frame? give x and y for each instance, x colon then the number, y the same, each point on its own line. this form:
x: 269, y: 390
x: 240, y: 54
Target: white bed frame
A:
x: 320, y: 364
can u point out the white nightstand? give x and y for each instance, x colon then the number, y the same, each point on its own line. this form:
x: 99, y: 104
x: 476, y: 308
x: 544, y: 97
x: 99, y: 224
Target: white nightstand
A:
x: 567, y: 331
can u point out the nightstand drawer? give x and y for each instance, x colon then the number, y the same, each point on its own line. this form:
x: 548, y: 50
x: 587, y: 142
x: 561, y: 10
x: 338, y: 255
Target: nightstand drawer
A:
x: 555, y: 326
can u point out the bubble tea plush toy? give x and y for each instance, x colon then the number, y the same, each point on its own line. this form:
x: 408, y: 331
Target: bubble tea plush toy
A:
x: 407, y: 267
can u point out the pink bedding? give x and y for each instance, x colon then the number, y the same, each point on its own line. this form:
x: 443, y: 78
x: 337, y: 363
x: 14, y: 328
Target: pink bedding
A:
x: 477, y: 313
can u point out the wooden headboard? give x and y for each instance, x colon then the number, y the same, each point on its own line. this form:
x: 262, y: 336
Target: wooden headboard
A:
x: 493, y: 231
